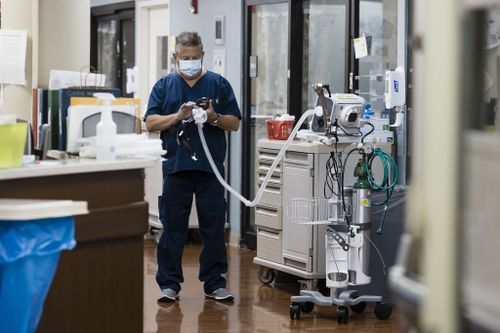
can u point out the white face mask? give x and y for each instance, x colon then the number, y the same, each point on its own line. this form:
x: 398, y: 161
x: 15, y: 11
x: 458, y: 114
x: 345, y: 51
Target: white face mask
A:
x: 190, y: 67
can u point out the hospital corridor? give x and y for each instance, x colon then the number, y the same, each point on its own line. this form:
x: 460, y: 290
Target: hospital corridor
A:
x: 249, y: 166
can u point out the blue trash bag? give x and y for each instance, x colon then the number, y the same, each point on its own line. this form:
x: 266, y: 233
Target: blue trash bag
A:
x: 29, y: 253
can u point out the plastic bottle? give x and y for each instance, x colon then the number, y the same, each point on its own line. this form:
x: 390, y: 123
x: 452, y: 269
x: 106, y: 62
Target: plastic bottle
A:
x: 106, y: 130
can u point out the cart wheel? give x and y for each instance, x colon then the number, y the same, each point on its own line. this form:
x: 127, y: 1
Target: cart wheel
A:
x: 294, y: 311
x: 307, y: 307
x: 342, y: 314
x: 358, y: 308
x: 383, y: 310
x: 266, y: 275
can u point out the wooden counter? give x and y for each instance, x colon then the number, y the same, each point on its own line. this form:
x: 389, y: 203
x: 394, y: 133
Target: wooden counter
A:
x: 98, y: 286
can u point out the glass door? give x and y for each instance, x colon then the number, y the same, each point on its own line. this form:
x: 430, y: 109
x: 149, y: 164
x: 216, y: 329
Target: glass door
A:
x: 107, y: 50
x: 384, y: 24
x: 113, y: 42
x: 325, y: 40
x: 267, y: 86
x: 378, y: 21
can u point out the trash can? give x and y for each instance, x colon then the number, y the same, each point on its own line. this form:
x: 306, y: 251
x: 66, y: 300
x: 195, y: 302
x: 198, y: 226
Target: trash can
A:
x: 32, y: 235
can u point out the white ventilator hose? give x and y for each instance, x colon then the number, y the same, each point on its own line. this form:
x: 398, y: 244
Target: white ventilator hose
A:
x: 318, y: 111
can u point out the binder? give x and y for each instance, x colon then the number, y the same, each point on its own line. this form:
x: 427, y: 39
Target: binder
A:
x: 42, y: 112
x: 34, y: 116
x: 53, y: 118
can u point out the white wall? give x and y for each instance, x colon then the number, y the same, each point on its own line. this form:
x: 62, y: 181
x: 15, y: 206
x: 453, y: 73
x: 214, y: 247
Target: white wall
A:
x: 18, y: 14
x: 58, y: 38
x: 64, y: 37
x: 203, y: 23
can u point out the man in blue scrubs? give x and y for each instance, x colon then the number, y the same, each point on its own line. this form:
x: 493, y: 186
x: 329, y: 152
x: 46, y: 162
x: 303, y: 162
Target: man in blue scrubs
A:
x: 171, y: 102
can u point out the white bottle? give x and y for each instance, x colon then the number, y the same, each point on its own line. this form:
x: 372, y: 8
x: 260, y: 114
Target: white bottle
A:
x: 106, y: 130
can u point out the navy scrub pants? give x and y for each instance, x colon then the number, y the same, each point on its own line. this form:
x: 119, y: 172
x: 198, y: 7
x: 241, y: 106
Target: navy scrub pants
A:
x: 175, y: 207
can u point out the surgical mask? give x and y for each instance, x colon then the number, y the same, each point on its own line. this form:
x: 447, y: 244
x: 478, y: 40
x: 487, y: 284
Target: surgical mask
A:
x: 190, y: 67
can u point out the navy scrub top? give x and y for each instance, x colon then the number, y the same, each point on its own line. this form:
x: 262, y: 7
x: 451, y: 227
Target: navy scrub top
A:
x: 167, y: 96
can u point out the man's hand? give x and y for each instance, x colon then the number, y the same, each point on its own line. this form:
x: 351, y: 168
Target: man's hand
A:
x: 212, y: 116
x: 186, y: 111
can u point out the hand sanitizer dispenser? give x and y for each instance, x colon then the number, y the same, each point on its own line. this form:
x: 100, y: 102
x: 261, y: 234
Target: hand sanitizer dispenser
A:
x: 106, y: 130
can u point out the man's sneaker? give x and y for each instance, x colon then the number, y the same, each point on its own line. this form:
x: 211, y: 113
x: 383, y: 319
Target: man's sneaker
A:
x: 168, y: 295
x: 221, y: 294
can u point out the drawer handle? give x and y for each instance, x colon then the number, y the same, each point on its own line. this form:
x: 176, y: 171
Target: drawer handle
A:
x: 273, y: 190
x: 267, y: 211
x: 269, y: 234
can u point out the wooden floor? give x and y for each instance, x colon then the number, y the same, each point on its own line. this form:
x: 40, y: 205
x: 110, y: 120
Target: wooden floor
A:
x: 257, y: 307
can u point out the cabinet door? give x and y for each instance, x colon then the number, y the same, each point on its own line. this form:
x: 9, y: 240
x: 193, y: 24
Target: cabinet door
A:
x: 297, y: 238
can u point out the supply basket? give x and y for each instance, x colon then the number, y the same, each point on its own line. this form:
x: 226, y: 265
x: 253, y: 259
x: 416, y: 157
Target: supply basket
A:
x: 279, y: 129
x: 316, y: 211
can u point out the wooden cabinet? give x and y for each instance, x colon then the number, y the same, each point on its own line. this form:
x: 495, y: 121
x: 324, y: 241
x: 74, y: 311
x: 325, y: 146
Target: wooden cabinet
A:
x: 98, y: 286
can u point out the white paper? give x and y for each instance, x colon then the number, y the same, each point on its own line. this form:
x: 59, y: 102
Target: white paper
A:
x: 219, y: 61
x: 67, y: 79
x: 132, y: 80
x: 488, y: 81
x: 12, y: 56
x: 360, y: 47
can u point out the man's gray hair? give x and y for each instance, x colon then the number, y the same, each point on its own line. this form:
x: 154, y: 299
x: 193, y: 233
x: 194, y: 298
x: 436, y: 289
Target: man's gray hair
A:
x: 187, y: 39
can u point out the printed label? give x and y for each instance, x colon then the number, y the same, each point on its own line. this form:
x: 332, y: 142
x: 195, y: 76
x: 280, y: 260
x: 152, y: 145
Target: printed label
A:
x: 396, y: 86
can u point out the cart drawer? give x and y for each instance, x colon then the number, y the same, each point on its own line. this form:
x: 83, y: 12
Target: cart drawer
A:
x: 298, y: 261
x: 269, y: 238
x: 267, y: 157
x: 292, y: 157
x: 263, y: 169
x: 271, y: 255
x: 274, y: 181
x: 268, y: 216
x: 272, y: 196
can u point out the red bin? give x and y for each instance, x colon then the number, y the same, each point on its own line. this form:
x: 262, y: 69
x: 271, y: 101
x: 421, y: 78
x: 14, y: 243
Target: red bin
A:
x: 279, y: 129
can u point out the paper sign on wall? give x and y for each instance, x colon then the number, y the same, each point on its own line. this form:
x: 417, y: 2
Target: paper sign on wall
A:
x: 12, y: 56
x: 360, y: 47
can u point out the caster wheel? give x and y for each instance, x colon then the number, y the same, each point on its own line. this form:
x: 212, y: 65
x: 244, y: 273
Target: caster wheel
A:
x: 307, y: 307
x: 358, y: 308
x: 266, y: 275
x: 294, y: 311
x: 383, y: 310
x: 342, y: 315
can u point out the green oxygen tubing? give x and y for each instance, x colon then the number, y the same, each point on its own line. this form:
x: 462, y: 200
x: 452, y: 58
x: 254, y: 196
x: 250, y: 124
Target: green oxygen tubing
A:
x: 389, y: 178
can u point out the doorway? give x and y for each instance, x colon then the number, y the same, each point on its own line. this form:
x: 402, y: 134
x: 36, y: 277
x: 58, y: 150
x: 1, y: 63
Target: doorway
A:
x: 289, y: 45
x: 266, y: 89
x: 113, y: 42
x: 153, y: 57
x: 153, y: 52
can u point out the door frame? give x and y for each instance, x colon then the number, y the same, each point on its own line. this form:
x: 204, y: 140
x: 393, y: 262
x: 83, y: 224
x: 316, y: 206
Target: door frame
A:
x: 119, y: 11
x: 142, y: 43
x: 294, y: 86
x: 249, y: 237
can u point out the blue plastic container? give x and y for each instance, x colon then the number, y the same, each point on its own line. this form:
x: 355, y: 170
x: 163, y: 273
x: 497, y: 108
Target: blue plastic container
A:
x: 29, y: 254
